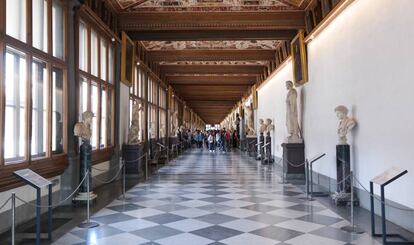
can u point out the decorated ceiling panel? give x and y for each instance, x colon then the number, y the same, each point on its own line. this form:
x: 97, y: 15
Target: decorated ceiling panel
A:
x: 221, y: 62
x: 221, y: 45
x: 207, y: 5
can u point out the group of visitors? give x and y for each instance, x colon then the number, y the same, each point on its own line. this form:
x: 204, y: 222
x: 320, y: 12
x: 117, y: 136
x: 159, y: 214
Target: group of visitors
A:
x: 216, y: 140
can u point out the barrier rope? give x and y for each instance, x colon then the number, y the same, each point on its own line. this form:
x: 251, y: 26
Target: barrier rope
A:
x: 111, y: 179
x: 295, y: 165
x: 104, y: 170
x: 343, y: 180
x: 5, y: 203
x: 60, y: 202
x: 139, y: 158
x: 385, y: 203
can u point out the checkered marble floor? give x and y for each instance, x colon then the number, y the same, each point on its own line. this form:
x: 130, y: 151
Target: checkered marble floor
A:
x: 212, y: 198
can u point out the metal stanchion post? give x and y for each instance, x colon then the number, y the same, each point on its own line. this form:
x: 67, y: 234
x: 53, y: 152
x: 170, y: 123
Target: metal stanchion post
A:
x: 352, y: 228
x: 146, y: 166
x: 168, y: 154
x: 88, y: 224
x: 13, y: 218
x: 124, y: 198
x: 283, y: 173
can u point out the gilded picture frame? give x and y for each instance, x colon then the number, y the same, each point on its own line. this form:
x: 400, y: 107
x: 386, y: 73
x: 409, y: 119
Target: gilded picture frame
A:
x: 127, y: 60
x: 299, y: 59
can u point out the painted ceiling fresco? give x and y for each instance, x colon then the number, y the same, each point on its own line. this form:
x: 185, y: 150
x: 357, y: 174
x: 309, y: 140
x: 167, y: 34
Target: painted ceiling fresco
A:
x: 221, y: 45
x: 206, y: 5
x: 221, y: 62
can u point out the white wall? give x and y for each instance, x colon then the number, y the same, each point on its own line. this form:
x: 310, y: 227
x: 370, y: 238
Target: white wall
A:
x: 364, y: 60
x: 271, y: 104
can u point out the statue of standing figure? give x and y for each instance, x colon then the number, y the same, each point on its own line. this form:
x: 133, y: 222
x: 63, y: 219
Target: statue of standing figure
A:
x: 134, y: 130
x: 174, y: 129
x: 345, y: 124
x: 249, y: 121
x: 269, y: 126
x: 292, y: 123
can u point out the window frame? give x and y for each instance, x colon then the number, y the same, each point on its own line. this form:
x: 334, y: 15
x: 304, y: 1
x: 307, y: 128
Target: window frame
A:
x: 51, y: 164
x: 85, y: 16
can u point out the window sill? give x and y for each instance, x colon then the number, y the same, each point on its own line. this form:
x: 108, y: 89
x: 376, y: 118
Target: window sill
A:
x: 47, y: 168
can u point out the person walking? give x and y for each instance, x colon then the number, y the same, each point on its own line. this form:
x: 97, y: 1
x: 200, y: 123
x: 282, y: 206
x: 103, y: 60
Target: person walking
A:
x: 211, y: 142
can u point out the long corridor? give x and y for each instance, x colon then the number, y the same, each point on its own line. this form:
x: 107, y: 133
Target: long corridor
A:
x: 207, y: 198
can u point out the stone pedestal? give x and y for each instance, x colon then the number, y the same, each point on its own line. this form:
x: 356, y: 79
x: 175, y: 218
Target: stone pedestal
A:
x: 294, y: 154
x: 342, y: 196
x: 133, y: 164
x: 260, y: 151
x: 85, y: 153
x: 268, y: 158
x: 251, y: 143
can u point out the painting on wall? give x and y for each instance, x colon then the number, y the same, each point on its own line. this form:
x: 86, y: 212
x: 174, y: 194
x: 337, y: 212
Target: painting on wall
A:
x: 127, y: 60
x: 299, y: 60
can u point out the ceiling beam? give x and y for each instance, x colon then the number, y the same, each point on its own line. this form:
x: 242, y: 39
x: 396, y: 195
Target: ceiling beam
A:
x: 191, y: 21
x: 211, y: 35
x: 211, y: 55
x: 212, y: 69
x: 210, y: 80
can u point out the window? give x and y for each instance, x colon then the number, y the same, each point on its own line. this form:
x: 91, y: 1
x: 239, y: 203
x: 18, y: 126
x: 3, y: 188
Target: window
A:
x: 16, y: 19
x: 58, y: 28
x: 57, y: 110
x: 83, y: 47
x: 94, y: 53
x: 40, y: 31
x: 96, y: 83
x: 40, y: 92
x: 16, y: 94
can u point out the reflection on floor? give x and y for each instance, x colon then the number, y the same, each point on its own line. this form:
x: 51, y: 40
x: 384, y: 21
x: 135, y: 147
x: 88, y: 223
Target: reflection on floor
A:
x: 207, y: 198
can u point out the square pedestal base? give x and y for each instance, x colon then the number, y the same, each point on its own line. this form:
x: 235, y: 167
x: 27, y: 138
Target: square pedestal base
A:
x: 293, y: 155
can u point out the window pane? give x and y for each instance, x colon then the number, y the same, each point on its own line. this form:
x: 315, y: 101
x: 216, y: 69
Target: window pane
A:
x: 94, y: 53
x: 83, y: 96
x: 104, y: 104
x: 111, y: 64
x: 103, y: 59
x: 39, y: 109
x: 109, y: 117
x: 83, y: 47
x: 94, y: 108
x: 16, y: 19
x: 40, y: 24
x: 15, y: 93
x: 58, y: 29
x: 57, y: 111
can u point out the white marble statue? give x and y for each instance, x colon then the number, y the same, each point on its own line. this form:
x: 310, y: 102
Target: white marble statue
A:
x: 262, y: 126
x: 83, y: 129
x: 152, y: 130
x: 174, y: 121
x: 269, y: 126
x: 292, y: 123
x: 134, y: 130
x: 249, y: 121
x: 345, y: 124
x: 162, y: 130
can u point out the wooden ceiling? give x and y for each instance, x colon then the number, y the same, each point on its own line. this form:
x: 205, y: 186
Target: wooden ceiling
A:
x: 211, y: 51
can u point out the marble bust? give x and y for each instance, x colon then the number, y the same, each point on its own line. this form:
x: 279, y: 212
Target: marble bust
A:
x: 262, y: 126
x: 345, y: 124
x: 269, y: 126
x: 83, y: 129
x: 134, y: 130
x: 292, y: 123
